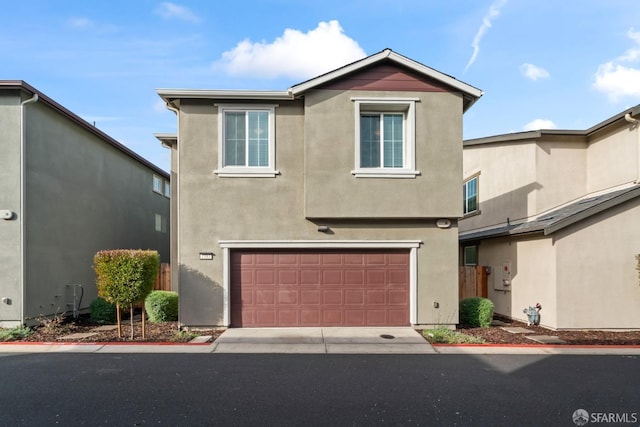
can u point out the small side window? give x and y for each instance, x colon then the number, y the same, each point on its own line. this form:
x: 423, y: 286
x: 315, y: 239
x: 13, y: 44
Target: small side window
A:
x: 470, y: 195
x: 158, y: 184
x: 470, y: 255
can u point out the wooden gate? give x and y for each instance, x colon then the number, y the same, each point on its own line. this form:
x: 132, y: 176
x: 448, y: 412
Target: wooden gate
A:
x: 473, y: 282
x: 163, y: 280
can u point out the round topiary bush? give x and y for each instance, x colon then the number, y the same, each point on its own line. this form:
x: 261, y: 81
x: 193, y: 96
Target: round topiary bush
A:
x: 476, y: 312
x: 162, y: 306
x: 101, y: 311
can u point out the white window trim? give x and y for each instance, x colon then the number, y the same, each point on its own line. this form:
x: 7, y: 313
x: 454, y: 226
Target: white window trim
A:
x: 412, y: 245
x: 160, y: 180
x: 247, y: 171
x: 408, y: 107
x: 464, y: 201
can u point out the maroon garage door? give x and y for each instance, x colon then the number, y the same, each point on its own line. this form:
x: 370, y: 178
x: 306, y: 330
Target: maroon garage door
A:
x: 319, y: 288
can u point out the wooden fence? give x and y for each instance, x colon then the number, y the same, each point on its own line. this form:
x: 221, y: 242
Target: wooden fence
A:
x: 163, y: 280
x: 473, y: 282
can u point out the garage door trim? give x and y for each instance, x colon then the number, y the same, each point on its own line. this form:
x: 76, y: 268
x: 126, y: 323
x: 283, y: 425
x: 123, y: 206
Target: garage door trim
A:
x: 412, y: 245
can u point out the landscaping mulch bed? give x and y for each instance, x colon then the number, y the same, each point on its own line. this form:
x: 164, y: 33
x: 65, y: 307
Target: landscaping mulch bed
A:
x: 155, y: 332
x: 497, y: 335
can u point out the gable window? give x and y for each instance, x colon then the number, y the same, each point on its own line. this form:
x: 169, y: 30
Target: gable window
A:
x: 470, y: 195
x: 385, y: 138
x: 246, y: 142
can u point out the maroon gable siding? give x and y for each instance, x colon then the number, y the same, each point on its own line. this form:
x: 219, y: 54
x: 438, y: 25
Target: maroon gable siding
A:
x: 387, y: 77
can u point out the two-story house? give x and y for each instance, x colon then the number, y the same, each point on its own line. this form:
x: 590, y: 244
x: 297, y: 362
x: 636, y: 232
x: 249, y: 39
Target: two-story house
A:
x: 67, y: 190
x: 554, y: 214
x: 332, y: 203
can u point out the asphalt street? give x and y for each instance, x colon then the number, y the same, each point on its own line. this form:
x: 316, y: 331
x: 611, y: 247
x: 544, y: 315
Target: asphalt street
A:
x: 307, y: 390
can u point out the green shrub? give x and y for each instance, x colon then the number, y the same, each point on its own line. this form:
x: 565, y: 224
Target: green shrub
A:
x: 476, y: 312
x: 14, y: 334
x: 442, y: 335
x: 102, y: 311
x: 162, y: 306
x: 126, y: 276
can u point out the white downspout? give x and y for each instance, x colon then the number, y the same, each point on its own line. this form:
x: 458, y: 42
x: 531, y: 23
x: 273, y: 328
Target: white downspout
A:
x: 23, y: 246
x: 635, y: 123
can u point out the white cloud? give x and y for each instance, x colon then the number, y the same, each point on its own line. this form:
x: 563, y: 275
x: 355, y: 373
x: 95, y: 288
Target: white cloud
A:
x: 82, y: 23
x: 492, y: 14
x: 534, y: 72
x: 539, y: 124
x: 295, y: 54
x: 169, y: 10
x: 619, y: 78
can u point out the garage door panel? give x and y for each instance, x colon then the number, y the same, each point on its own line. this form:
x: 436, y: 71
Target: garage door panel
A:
x: 332, y: 297
x: 397, y: 297
x: 310, y: 317
x: 376, y: 277
x: 354, y: 297
x: 265, y: 297
x: 310, y: 277
x: 319, y: 288
x: 376, y: 297
x: 332, y: 316
x: 288, y: 297
x: 288, y: 277
x: 332, y: 277
x: 309, y: 297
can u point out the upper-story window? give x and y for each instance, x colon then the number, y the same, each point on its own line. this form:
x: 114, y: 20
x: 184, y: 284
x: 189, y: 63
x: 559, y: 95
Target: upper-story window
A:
x: 158, y: 184
x: 246, y: 141
x: 470, y: 195
x: 385, y: 138
x: 161, y: 186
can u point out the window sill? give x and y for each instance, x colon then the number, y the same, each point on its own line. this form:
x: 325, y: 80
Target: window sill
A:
x: 470, y: 214
x: 246, y: 173
x: 385, y: 173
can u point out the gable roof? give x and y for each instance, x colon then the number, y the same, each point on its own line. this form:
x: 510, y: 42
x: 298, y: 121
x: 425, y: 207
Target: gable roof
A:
x: 470, y: 94
x: 557, y: 219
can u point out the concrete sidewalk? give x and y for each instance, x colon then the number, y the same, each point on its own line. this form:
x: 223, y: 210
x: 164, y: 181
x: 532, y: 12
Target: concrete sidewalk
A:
x: 399, y: 340
x: 323, y: 340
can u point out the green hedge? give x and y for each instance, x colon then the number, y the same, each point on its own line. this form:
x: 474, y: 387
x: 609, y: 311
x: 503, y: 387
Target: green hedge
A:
x: 476, y: 312
x: 125, y: 276
x: 162, y: 306
x: 102, y: 311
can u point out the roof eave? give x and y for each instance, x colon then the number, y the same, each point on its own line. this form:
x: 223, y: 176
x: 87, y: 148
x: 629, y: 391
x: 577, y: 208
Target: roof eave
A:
x: 169, y: 95
x: 25, y: 87
x: 593, y: 210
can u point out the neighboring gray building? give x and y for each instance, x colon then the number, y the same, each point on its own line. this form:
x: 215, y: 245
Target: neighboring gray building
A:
x: 67, y: 190
x: 334, y: 202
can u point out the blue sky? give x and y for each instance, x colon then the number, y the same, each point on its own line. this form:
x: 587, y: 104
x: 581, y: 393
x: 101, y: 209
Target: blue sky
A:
x: 541, y: 63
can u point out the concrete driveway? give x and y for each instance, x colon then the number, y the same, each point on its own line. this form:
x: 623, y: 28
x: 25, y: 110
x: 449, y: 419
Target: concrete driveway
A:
x: 398, y: 340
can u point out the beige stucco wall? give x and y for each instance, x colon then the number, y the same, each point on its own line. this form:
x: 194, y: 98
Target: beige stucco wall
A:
x: 329, y: 138
x: 507, y: 182
x: 612, y: 158
x: 560, y: 172
x: 597, y: 277
x: 213, y: 208
x: 533, y: 279
x: 10, y: 276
